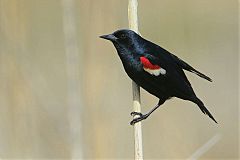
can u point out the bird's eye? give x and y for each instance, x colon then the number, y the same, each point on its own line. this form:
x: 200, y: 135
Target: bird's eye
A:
x: 122, y: 36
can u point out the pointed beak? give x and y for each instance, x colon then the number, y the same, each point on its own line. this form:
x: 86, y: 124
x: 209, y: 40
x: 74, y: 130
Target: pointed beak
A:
x: 110, y: 37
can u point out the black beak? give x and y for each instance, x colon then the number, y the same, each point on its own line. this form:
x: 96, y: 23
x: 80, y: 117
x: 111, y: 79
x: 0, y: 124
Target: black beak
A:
x: 110, y: 37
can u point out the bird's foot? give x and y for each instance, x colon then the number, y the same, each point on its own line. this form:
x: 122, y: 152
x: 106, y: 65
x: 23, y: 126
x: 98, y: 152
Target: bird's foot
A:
x: 138, y: 119
x: 136, y: 113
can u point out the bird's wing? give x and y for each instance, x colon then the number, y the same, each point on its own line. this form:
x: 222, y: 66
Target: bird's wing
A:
x: 173, y: 74
x: 151, y: 65
x: 189, y: 68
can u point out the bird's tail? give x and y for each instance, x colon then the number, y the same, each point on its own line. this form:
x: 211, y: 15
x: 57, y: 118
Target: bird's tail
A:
x: 203, y: 108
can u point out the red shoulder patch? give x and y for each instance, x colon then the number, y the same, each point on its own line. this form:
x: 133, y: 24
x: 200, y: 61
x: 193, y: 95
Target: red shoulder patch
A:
x: 147, y: 64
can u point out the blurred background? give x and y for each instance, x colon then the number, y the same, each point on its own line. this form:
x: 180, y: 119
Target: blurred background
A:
x: 64, y: 94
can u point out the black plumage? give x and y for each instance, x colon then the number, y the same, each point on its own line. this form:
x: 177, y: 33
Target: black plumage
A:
x: 155, y: 69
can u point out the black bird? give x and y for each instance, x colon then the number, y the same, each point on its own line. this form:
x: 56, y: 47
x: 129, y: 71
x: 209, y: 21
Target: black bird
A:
x: 155, y: 69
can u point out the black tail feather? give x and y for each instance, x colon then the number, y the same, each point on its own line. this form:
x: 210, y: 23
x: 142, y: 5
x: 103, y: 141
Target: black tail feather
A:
x: 204, y: 109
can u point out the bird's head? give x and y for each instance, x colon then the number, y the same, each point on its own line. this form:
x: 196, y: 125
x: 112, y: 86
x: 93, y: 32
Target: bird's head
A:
x: 124, y: 39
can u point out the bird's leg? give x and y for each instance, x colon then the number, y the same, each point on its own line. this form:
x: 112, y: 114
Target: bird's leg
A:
x: 144, y: 116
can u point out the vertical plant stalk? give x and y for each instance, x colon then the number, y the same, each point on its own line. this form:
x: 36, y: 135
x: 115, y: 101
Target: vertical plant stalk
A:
x: 73, y: 61
x: 133, y: 25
